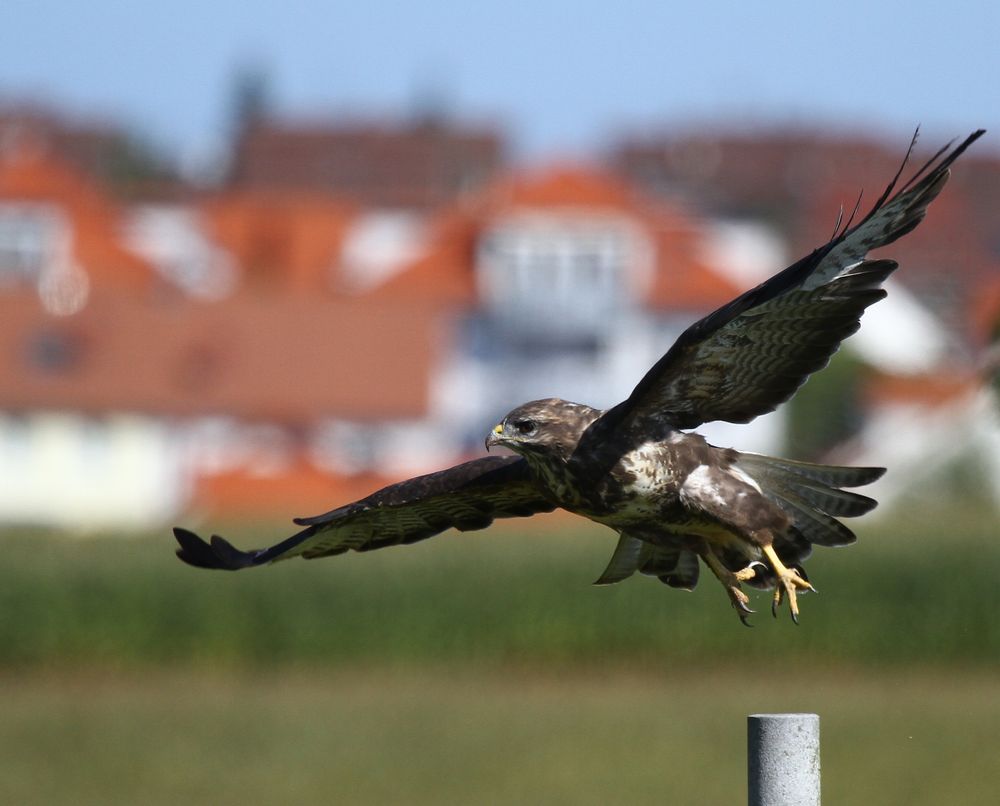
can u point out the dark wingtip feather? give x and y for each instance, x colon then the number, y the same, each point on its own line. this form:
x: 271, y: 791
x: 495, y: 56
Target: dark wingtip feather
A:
x: 193, y: 550
x: 220, y: 554
x: 945, y: 164
x: 919, y: 191
x: 862, y: 476
x: 895, y: 180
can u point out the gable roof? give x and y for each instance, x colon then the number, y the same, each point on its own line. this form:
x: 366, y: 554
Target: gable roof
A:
x: 682, y: 277
x: 282, y: 241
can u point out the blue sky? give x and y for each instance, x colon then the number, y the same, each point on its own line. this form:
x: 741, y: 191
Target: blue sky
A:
x: 562, y: 77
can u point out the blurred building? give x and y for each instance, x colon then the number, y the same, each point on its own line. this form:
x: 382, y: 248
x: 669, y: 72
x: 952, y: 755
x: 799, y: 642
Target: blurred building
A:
x: 938, y: 433
x: 148, y: 348
x: 266, y: 350
x: 273, y: 348
x: 797, y: 180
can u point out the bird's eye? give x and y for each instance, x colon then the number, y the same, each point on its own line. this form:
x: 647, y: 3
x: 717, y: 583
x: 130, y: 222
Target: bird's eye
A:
x: 525, y: 427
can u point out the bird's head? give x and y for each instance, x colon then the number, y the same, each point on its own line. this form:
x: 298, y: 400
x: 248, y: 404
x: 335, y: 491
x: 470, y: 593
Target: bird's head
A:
x: 550, y: 427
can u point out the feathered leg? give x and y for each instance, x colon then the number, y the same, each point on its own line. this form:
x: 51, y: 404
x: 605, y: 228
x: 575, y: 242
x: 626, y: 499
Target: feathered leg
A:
x: 731, y: 582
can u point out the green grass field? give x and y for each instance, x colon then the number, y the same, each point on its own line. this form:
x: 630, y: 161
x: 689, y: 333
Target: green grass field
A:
x: 467, y: 735
x: 483, y: 668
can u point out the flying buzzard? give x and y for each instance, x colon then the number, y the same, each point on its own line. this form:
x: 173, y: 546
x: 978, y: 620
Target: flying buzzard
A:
x: 670, y: 495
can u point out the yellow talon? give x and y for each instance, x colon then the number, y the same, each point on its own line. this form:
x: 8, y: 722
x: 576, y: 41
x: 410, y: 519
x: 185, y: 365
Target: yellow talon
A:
x: 789, y: 582
x: 748, y: 573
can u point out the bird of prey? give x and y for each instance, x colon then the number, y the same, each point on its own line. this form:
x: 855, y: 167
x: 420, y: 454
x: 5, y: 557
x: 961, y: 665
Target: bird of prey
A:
x: 670, y: 495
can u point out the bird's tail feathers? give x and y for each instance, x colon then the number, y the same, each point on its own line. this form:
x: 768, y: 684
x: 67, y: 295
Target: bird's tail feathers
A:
x: 675, y: 567
x: 812, y: 495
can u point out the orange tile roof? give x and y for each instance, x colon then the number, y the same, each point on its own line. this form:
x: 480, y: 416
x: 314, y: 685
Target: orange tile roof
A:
x: 445, y: 274
x: 923, y: 390
x: 683, y: 280
x: 291, y: 358
x: 300, y: 489
x: 282, y: 240
x: 984, y: 318
x: 569, y: 185
x: 28, y: 176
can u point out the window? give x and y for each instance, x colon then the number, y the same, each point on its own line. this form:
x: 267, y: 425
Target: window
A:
x: 31, y: 237
x: 563, y: 273
x: 52, y: 351
x: 173, y: 239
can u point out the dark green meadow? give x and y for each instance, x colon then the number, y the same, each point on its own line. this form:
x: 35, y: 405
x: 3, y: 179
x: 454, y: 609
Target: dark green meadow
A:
x: 920, y: 589
x: 483, y: 668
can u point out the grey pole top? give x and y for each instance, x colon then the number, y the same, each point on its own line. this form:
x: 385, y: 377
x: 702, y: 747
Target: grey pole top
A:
x: 783, y: 760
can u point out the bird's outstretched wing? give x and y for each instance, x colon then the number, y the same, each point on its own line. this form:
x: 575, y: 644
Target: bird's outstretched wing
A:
x: 751, y: 355
x: 465, y: 497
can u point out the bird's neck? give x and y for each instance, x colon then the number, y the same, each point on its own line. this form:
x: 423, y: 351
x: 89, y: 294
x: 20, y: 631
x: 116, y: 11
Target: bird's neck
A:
x: 555, y: 474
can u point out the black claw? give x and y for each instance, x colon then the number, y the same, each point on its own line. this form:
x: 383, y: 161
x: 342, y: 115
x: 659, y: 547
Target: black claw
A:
x: 795, y: 618
x: 745, y: 620
x: 774, y: 608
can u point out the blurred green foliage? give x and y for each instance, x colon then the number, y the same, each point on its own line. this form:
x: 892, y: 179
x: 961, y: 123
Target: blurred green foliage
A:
x: 827, y: 410
x: 916, y: 588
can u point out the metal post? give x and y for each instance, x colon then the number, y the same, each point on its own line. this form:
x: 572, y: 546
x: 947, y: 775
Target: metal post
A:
x: 783, y: 760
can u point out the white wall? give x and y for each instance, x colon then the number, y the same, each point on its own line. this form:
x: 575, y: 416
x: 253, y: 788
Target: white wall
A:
x: 85, y: 473
x: 469, y: 392
x: 922, y: 445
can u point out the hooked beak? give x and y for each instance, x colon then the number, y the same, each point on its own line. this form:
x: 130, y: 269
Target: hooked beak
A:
x: 495, y: 437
